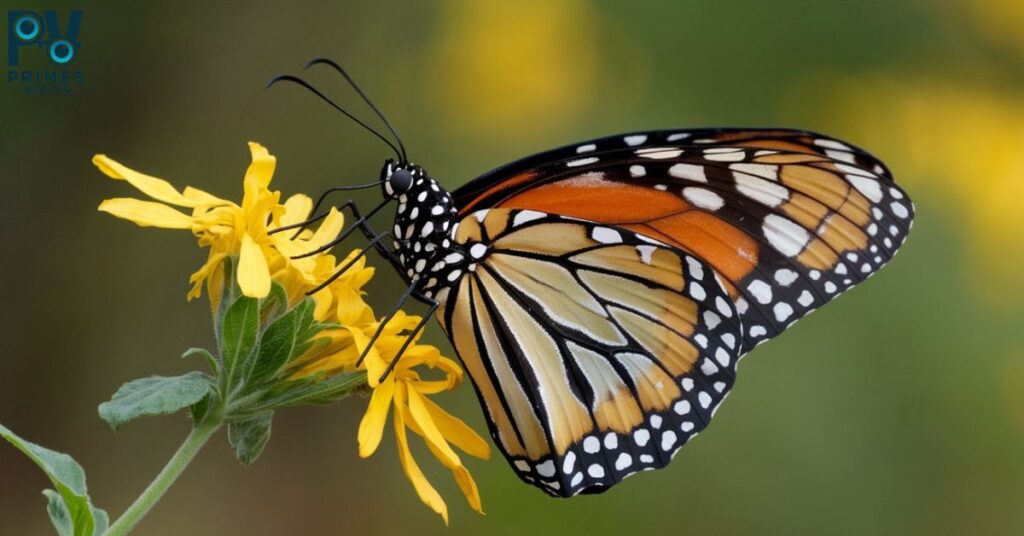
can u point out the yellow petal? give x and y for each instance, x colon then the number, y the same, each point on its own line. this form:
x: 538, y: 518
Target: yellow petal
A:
x: 296, y: 209
x: 349, y: 307
x: 253, y: 274
x: 426, y: 492
x: 457, y: 432
x: 468, y: 487
x: 418, y: 412
x: 158, y: 189
x: 146, y: 213
x: 199, y: 196
x: 374, y: 363
x: 215, y: 281
x: 259, y: 173
x: 322, y: 305
x: 371, y: 428
x: 328, y: 230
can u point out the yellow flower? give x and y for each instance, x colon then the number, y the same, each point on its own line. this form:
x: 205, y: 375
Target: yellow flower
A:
x: 228, y: 229
x: 242, y: 232
x: 408, y: 392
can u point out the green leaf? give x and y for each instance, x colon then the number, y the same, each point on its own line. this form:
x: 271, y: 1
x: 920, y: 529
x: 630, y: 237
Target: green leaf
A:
x: 156, y: 395
x: 228, y: 295
x: 307, y: 326
x: 69, y: 505
x: 59, y: 515
x: 204, y: 408
x: 281, y: 342
x: 249, y: 437
x: 101, y: 521
x: 274, y: 305
x: 205, y: 354
x: 238, y: 338
x: 313, y: 390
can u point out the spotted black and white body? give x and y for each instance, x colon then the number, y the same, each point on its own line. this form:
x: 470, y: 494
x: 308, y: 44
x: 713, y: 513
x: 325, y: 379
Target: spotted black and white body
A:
x: 601, y: 295
x: 424, y: 220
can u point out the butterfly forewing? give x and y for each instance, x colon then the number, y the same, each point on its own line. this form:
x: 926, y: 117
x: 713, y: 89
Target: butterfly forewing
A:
x: 788, y: 219
x: 597, y: 352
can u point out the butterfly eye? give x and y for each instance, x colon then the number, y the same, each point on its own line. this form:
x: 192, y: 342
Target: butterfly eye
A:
x: 400, y: 181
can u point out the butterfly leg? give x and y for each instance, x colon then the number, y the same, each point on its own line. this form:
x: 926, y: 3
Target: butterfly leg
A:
x: 361, y: 224
x: 432, y: 306
x: 375, y: 243
x: 380, y: 327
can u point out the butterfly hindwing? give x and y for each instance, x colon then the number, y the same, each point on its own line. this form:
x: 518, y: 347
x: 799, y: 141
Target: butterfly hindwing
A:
x: 789, y: 219
x: 596, y: 352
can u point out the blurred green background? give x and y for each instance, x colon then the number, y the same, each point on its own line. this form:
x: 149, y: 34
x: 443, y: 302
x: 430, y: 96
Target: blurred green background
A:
x: 897, y: 410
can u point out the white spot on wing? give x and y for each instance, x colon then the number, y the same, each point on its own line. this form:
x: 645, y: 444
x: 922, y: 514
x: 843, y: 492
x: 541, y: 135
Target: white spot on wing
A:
x: 703, y: 198
x: 785, y: 276
x: 606, y: 235
x: 724, y: 154
x: 659, y: 153
x: 782, y: 311
x: 760, y: 190
x: 785, y: 235
x: 761, y: 291
x: 634, y: 140
x: 646, y: 252
x: 546, y: 469
x: 691, y: 172
x: 832, y: 144
x: 581, y: 161
x: 899, y: 209
x: 866, y: 186
x: 526, y: 216
x: 764, y: 171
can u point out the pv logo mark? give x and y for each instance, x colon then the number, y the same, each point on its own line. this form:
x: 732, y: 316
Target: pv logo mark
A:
x: 26, y: 28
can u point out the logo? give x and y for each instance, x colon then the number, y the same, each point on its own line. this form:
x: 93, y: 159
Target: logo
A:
x: 41, y: 52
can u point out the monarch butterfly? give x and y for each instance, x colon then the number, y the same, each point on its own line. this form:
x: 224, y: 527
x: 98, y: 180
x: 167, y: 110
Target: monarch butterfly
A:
x: 601, y: 294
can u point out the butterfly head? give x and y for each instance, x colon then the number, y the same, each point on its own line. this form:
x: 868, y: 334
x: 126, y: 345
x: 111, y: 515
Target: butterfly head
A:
x: 398, y: 178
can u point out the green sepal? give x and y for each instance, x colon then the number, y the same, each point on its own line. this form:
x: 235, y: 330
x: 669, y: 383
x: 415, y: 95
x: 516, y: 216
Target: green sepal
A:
x: 239, y: 337
x: 202, y: 410
x: 312, y: 390
x: 274, y: 305
x: 280, y: 341
x: 205, y: 354
x: 228, y: 295
x: 59, y: 515
x: 61, y: 518
x: 156, y: 395
x: 69, y: 506
x: 248, y: 438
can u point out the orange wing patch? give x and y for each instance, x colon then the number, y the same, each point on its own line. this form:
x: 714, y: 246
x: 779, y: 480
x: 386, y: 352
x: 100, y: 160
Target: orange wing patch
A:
x: 660, y: 215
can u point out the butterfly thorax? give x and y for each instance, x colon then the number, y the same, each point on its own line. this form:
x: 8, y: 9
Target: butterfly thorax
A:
x: 424, y: 229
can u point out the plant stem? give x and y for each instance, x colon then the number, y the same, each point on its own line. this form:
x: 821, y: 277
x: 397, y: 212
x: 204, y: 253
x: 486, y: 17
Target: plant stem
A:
x: 175, y: 466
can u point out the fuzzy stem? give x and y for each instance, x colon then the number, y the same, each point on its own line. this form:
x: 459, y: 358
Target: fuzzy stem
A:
x: 175, y: 466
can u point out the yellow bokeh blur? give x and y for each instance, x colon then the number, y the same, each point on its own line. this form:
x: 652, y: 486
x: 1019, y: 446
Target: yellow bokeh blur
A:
x: 507, y: 68
x: 963, y: 142
x: 999, y: 21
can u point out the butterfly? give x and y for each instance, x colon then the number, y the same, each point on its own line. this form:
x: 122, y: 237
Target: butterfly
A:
x: 601, y: 294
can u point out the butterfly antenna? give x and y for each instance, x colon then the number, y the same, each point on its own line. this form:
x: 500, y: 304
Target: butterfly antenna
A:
x: 315, y: 91
x: 344, y: 73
